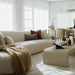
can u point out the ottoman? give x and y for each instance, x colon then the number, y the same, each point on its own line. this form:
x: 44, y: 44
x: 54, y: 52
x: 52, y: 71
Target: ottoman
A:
x: 58, y: 57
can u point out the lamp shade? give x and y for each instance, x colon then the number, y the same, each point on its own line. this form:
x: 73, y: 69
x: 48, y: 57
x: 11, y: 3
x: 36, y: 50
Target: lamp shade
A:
x: 60, y: 33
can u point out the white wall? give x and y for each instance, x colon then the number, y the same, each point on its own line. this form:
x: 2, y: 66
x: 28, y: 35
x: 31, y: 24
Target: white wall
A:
x: 61, y: 7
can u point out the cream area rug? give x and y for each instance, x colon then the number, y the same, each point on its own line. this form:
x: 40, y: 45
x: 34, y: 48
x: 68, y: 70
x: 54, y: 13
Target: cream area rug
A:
x: 38, y: 68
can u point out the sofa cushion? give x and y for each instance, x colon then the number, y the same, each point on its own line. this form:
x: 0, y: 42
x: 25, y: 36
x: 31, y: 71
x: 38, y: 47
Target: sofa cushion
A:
x: 38, y: 33
x: 31, y: 37
x: 9, y: 40
x: 35, y: 46
x: 17, y: 36
x: 44, y: 34
x: 2, y: 41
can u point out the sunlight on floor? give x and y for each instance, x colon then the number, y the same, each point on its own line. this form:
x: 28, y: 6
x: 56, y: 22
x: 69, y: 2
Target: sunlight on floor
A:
x: 38, y: 68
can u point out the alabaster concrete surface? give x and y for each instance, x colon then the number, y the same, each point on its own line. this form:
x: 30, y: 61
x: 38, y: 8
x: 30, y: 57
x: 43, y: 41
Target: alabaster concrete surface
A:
x: 38, y: 68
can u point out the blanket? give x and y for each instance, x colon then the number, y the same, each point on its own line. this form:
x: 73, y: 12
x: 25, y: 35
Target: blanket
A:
x: 21, y: 58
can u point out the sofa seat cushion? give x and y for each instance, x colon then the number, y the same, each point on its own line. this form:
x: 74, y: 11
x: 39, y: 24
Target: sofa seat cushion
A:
x: 35, y: 46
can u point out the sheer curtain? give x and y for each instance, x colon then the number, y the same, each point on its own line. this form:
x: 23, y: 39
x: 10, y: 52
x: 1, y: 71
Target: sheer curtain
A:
x: 6, y: 15
x: 36, y: 15
x: 23, y: 15
x: 11, y: 15
x: 40, y: 18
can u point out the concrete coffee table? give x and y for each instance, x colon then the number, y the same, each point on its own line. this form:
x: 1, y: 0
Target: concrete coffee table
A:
x: 58, y: 57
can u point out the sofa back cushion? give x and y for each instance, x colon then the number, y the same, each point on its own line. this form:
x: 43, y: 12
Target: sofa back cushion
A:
x: 44, y: 34
x: 2, y: 41
x: 17, y: 36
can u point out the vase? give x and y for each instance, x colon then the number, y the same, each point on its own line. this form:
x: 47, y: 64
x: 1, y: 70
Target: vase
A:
x: 69, y: 42
x: 74, y: 24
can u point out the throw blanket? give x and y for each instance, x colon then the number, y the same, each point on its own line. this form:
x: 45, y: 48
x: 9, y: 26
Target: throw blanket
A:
x: 21, y: 58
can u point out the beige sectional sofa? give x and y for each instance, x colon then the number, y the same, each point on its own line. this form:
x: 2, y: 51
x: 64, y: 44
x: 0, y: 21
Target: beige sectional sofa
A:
x: 34, y: 46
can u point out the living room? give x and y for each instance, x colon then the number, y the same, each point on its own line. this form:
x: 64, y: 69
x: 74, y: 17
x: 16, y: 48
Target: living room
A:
x: 37, y: 37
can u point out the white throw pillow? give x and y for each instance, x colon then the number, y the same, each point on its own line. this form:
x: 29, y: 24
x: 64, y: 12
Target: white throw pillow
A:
x: 9, y: 40
x: 44, y: 34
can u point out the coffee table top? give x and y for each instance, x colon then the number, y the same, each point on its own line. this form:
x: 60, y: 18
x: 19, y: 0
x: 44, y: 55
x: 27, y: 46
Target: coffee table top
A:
x: 66, y: 48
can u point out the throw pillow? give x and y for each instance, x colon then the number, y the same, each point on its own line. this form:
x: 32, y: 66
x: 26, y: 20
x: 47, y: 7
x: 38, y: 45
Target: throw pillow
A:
x: 44, y: 34
x: 31, y: 37
x: 9, y: 40
x: 38, y: 33
x: 2, y: 41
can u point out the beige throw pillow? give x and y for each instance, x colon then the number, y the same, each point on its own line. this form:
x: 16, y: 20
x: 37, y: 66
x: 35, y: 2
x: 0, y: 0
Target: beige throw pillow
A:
x: 9, y: 40
x: 2, y: 41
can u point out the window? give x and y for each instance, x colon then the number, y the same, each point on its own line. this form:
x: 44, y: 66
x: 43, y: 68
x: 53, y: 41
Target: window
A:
x: 36, y: 18
x: 65, y: 20
x: 28, y: 18
x: 40, y: 19
x: 5, y: 17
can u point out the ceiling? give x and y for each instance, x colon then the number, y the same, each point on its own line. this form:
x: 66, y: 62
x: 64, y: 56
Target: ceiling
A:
x: 58, y: 0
